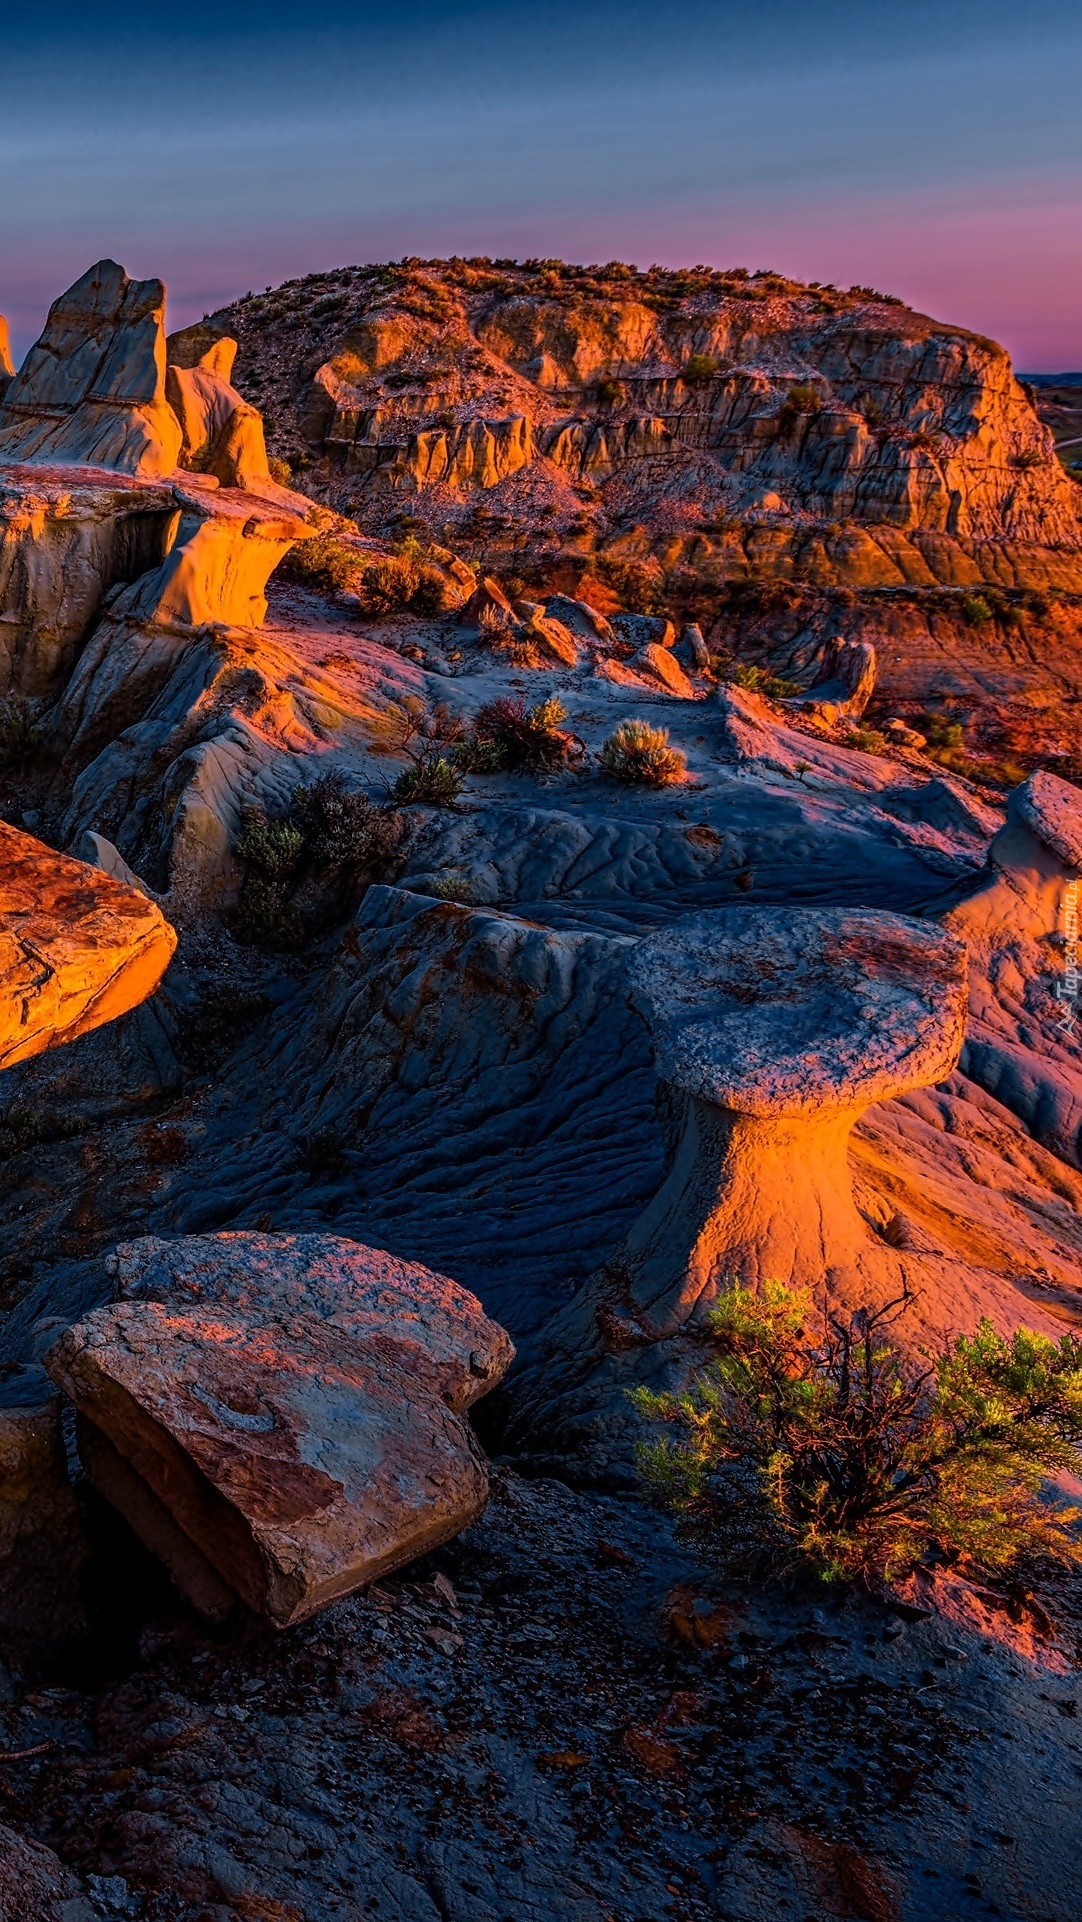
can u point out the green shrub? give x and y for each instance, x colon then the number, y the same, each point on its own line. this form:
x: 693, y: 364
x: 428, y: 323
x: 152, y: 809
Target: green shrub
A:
x: 866, y: 740
x: 430, y: 738
x: 976, y: 610
x: 700, y: 367
x: 21, y: 738
x: 323, y: 562
x: 640, y: 755
x: 837, y: 1456
x: 308, y: 864
x: 758, y: 680
x: 802, y: 399
x: 280, y: 471
x: 609, y: 392
x: 436, y: 783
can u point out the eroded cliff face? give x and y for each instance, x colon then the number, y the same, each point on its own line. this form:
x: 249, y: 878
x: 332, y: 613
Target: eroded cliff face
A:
x: 125, y: 459
x: 737, y: 417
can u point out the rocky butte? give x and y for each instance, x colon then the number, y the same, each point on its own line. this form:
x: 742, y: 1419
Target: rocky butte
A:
x: 528, y: 795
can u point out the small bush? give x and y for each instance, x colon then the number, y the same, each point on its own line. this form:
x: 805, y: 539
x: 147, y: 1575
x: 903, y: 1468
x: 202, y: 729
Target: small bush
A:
x: 866, y: 740
x: 976, y: 610
x: 940, y: 730
x: 280, y: 471
x: 640, y: 755
x: 323, y: 847
x: 429, y: 738
x: 837, y: 1456
x: 609, y: 393
x: 323, y: 563
x: 700, y: 367
x: 436, y: 783
x: 521, y: 736
x: 759, y: 681
x: 802, y: 399
x: 21, y: 738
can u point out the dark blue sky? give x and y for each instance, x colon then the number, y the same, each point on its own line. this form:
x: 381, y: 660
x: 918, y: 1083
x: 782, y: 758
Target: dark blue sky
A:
x: 930, y: 149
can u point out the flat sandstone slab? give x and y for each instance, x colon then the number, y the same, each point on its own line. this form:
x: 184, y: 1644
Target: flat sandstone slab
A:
x: 76, y: 947
x: 303, y: 1464
x: 363, y: 1291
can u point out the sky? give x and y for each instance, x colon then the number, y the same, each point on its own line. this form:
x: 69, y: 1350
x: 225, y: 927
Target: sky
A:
x: 931, y: 148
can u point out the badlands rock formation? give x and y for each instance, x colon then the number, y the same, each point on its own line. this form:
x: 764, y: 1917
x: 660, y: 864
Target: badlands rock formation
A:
x: 552, y: 1053
x: 798, y: 419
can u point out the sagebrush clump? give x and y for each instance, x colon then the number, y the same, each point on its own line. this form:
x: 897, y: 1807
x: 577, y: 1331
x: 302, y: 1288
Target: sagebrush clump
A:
x: 640, y: 755
x: 308, y: 866
x: 508, y: 734
x: 830, y: 1453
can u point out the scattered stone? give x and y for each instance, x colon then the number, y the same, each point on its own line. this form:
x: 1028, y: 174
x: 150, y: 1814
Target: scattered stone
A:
x: 844, y: 683
x: 662, y: 666
x: 644, y: 630
x: 691, y: 650
x: 902, y: 735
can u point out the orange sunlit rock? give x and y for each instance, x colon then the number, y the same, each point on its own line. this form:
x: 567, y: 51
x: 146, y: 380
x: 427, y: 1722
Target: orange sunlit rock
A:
x: 76, y: 947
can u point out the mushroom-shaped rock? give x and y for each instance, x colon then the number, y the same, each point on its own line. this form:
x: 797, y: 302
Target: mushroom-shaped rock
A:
x: 77, y: 948
x: 774, y: 1029
x: 92, y: 390
x: 1021, y: 927
x: 364, y: 1291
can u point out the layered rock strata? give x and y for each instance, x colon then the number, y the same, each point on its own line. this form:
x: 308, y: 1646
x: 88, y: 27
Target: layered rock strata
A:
x: 792, y: 428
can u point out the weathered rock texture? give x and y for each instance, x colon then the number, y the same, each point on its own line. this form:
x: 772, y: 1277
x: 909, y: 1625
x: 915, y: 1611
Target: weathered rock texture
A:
x: 301, y: 1462
x: 363, y: 1291
x: 1021, y: 926
x: 750, y: 424
x: 92, y: 498
x: 92, y: 391
x: 76, y: 947
x: 36, y: 1887
x: 773, y: 1031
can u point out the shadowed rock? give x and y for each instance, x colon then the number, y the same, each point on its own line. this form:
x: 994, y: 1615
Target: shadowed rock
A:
x: 7, y: 368
x: 223, y: 434
x: 844, y: 684
x: 36, y: 1887
x: 1021, y: 926
x: 77, y: 948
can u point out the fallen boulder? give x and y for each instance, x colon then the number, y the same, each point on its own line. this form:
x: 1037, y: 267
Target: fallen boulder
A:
x: 77, y: 948
x: 300, y: 1462
x: 843, y: 685
x: 363, y: 1291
